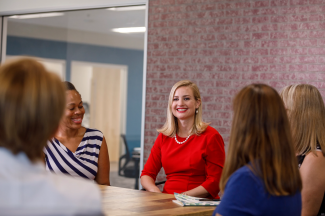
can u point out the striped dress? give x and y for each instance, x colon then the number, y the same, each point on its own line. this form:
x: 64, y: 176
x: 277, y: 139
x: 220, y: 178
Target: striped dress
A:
x: 82, y: 163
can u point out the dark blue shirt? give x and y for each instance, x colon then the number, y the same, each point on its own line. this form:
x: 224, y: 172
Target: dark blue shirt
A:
x: 245, y: 194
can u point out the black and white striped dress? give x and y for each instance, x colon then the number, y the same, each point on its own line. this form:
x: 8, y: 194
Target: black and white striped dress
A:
x: 82, y: 163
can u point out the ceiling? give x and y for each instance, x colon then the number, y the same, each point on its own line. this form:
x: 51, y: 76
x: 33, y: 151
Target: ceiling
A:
x: 95, y: 20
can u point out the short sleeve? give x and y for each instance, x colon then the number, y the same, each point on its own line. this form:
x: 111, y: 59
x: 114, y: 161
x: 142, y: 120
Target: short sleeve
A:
x: 241, y: 196
x: 153, y: 165
x: 214, y: 161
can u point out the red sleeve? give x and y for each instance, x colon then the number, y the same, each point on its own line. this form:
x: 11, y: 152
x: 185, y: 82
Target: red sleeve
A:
x: 153, y: 165
x: 214, y: 161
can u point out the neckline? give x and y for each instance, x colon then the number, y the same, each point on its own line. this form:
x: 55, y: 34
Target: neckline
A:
x: 66, y: 148
x: 183, y: 138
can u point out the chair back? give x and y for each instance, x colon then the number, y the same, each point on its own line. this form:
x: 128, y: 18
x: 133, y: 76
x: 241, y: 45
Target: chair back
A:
x: 127, y: 151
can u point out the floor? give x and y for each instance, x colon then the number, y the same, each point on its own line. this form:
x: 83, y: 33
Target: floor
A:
x: 120, y: 181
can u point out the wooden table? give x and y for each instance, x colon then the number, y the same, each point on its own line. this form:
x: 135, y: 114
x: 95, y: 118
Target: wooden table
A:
x: 123, y: 201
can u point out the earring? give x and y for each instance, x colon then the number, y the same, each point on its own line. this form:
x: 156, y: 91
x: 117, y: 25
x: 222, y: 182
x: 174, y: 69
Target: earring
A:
x: 197, y: 111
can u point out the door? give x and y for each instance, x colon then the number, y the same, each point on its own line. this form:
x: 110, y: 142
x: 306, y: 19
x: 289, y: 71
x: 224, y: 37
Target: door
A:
x: 106, y: 106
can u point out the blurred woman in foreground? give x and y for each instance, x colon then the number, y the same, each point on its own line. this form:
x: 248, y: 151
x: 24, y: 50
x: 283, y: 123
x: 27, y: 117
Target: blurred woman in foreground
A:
x: 306, y: 112
x: 260, y: 176
x: 31, y: 106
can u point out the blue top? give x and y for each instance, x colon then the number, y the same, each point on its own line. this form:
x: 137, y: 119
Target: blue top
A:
x: 81, y: 163
x: 245, y: 194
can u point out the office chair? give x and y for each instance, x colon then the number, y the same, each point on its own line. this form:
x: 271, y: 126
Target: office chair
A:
x: 131, y: 163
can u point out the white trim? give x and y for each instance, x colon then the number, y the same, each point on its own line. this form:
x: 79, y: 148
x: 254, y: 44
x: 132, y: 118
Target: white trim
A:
x: 16, y: 7
x: 123, y: 102
x: 124, y: 95
x: 0, y: 38
x: 143, y: 114
x: 85, y: 63
x: 4, y: 39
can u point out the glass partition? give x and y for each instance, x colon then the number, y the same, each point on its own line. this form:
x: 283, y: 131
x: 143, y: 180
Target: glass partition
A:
x: 101, y: 52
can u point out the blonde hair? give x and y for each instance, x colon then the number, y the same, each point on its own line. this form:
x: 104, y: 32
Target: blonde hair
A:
x: 261, y: 139
x: 31, y: 105
x: 306, y: 112
x: 170, y: 127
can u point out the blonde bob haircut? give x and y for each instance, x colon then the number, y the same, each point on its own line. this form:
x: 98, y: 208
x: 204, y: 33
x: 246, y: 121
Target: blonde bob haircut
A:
x: 31, y: 105
x: 170, y: 127
x: 306, y: 112
x: 261, y: 139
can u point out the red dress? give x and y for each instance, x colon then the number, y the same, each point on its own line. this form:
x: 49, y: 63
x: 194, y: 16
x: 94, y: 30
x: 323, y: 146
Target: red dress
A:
x: 198, y: 161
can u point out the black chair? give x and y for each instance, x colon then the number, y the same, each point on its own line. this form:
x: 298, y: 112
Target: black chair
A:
x: 131, y: 164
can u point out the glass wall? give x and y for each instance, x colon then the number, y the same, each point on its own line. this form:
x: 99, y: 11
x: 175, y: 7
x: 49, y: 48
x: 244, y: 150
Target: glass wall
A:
x: 101, y: 52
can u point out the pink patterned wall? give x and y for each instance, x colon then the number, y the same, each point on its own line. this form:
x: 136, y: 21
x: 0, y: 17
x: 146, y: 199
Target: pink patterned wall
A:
x: 223, y: 45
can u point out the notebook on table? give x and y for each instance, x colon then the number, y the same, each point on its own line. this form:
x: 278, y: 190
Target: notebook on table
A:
x: 185, y: 200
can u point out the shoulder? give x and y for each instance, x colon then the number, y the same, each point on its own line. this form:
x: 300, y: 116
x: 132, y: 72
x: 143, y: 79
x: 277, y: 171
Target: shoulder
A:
x: 314, y: 161
x: 73, y: 183
x: 210, y: 131
x: 76, y: 191
x: 245, y: 176
x: 50, y: 142
x: 161, y: 138
x: 93, y: 130
x: 241, y: 190
x: 90, y: 132
x: 212, y: 136
x: 242, y: 172
x: 315, y: 158
x: 243, y: 181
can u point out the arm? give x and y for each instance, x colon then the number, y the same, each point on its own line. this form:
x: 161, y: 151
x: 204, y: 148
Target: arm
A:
x: 152, y: 167
x: 102, y: 176
x: 149, y: 184
x: 313, y: 183
x: 197, y: 192
x: 214, y: 161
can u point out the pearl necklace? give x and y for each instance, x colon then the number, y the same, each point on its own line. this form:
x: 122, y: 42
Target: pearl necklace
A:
x: 183, y: 141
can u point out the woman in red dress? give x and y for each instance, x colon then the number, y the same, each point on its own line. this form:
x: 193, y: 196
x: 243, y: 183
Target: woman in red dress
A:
x: 190, y: 151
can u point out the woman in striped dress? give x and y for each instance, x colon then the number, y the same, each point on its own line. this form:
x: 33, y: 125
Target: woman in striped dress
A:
x: 76, y: 150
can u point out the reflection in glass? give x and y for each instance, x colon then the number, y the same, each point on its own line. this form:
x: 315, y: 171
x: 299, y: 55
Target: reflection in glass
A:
x: 105, y: 66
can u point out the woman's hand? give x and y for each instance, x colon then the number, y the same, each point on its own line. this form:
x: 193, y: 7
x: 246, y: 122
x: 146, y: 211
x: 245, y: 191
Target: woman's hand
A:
x: 149, y: 184
x: 199, y: 191
x: 102, y: 176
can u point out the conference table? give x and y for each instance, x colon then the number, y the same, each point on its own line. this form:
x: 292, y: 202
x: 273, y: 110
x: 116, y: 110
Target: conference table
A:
x: 122, y: 201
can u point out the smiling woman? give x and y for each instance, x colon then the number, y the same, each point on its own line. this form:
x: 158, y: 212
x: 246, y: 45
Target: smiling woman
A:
x: 190, y: 151
x: 76, y: 150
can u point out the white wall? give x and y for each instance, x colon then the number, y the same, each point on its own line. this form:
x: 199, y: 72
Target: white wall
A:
x: 55, y: 67
x: 9, y: 7
x: 81, y: 76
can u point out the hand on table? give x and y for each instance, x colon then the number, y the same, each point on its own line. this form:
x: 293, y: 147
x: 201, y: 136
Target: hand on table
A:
x: 154, y: 189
